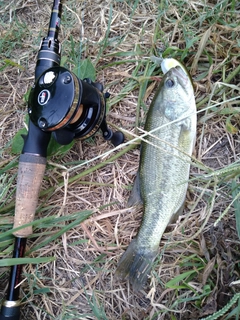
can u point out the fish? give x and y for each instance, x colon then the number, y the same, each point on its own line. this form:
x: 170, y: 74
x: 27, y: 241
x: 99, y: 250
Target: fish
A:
x: 162, y: 178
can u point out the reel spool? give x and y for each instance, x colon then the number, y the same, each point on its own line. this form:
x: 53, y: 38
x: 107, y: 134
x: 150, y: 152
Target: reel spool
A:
x: 69, y: 107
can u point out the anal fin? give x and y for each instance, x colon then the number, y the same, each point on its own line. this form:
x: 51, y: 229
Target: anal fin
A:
x: 135, y: 196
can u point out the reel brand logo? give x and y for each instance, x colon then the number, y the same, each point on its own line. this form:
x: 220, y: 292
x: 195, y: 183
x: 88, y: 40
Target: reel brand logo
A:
x: 43, y: 97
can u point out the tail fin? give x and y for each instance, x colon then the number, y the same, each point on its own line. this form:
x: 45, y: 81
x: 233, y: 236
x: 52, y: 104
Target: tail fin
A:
x: 136, y: 265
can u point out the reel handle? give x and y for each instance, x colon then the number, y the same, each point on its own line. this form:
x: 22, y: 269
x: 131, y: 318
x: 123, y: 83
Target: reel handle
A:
x: 116, y: 137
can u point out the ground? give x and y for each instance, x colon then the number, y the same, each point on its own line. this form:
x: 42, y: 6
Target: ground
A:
x: 82, y: 219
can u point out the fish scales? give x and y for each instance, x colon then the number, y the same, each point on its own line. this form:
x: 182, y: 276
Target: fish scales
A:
x: 163, y: 174
x: 162, y: 190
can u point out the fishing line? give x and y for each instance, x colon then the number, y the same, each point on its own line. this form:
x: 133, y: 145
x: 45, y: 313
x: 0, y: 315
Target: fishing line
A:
x: 139, y: 138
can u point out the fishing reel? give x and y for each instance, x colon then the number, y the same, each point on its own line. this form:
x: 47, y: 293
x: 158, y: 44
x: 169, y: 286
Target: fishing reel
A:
x: 69, y: 108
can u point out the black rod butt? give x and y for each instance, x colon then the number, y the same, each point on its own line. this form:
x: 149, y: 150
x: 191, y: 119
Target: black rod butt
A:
x: 10, y: 313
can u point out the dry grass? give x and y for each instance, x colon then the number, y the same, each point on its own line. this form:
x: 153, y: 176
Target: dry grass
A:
x: 119, y: 37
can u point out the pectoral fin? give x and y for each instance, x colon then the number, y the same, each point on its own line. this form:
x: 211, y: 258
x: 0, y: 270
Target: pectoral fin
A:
x: 135, y: 196
x: 177, y: 213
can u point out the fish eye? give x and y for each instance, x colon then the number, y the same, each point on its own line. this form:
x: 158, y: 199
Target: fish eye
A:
x: 169, y: 83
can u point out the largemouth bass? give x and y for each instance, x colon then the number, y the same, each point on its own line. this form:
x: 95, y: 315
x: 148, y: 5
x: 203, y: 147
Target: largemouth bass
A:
x: 163, y: 173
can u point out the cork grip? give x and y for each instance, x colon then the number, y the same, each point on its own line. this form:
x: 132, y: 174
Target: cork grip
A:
x: 30, y: 175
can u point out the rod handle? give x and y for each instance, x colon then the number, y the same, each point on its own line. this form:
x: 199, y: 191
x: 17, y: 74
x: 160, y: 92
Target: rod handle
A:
x: 30, y: 175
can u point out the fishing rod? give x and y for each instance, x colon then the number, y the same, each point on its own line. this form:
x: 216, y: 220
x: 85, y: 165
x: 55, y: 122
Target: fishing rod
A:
x: 62, y: 106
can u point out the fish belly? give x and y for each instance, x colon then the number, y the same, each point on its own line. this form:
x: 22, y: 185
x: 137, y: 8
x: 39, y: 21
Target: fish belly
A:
x: 164, y: 172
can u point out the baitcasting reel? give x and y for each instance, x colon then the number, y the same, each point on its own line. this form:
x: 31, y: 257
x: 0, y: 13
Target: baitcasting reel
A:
x: 69, y: 107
